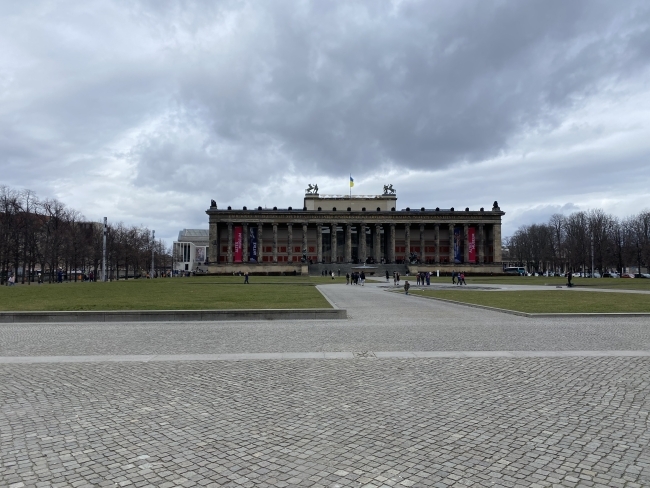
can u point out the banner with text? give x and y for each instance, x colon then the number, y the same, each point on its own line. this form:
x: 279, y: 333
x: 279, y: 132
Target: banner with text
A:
x: 238, y: 243
x: 471, y: 243
x: 252, y: 243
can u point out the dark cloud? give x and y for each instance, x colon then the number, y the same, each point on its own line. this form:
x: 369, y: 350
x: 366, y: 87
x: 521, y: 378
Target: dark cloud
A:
x: 534, y: 104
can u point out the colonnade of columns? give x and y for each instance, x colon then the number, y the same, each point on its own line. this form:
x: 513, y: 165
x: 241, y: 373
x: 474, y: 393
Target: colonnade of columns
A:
x: 362, y: 247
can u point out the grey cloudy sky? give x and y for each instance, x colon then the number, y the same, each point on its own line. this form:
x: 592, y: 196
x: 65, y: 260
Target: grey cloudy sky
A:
x: 142, y: 111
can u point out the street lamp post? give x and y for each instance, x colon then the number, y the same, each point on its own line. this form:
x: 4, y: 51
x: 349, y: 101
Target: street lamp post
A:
x: 153, y: 250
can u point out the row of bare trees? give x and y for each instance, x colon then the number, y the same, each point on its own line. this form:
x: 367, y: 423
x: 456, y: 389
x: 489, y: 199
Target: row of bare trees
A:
x: 571, y: 242
x: 46, y: 237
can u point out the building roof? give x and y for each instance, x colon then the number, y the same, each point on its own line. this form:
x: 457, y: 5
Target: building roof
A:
x: 193, y: 235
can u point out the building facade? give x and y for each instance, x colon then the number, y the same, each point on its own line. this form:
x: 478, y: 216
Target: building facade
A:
x: 190, y: 251
x: 353, y: 230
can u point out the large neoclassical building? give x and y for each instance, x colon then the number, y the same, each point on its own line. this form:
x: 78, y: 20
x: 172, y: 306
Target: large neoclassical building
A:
x: 345, y: 231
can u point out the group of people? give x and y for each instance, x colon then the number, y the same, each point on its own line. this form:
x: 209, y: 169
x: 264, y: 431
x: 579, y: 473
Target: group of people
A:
x: 330, y: 273
x: 355, y: 278
x: 458, y: 278
x: 423, y: 278
x: 396, y: 278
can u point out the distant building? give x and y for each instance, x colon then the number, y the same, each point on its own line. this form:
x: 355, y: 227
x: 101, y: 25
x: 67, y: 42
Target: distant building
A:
x: 351, y: 230
x: 190, y: 250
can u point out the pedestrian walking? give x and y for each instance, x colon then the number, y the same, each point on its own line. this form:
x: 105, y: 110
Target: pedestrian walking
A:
x: 246, y: 277
x: 397, y: 279
x: 418, y: 279
x: 347, y: 278
x: 428, y: 278
x: 11, y: 281
x: 461, y: 280
x: 406, y: 287
x: 453, y: 277
x: 363, y: 278
x: 332, y: 274
x: 387, y: 276
x: 569, y: 277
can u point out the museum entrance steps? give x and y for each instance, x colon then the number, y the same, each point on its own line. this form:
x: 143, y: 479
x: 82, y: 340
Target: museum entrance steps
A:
x: 371, y: 270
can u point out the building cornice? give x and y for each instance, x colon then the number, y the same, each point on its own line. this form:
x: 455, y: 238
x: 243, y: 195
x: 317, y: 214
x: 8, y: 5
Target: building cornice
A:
x: 328, y: 216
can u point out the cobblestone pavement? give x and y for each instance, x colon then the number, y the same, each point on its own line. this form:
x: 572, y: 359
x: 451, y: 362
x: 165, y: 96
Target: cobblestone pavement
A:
x: 359, y: 422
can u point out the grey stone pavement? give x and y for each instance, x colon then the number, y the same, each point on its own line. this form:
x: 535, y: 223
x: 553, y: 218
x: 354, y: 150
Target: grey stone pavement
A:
x: 390, y: 397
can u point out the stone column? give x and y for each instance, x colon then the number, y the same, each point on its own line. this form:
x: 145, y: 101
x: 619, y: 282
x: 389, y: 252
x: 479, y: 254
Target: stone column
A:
x: 348, y: 243
x: 497, y: 243
x: 451, y: 243
x: 275, y: 243
x: 391, y: 247
x: 213, y: 256
x: 304, y: 249
x: 465, y: 243
x: 407, y: 242
x: 437, y: 237
x: 229, y: 242
x: 334, y: 244
x: 245, y: 242
x: 290, y: 242
x: 260, y: 242
x: 422, y: 242
x: 362, y: 243
x: 377, y: 243
x: 319, y: 243
x: 481, y: 243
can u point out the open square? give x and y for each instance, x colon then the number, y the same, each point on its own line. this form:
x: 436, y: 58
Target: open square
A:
x: 405, y: 392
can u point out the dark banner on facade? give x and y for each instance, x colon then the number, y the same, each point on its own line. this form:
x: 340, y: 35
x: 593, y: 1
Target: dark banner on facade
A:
x: 458, y: 245
x: 471, y: 243
x: 252, y: 243
x: 238, y: 243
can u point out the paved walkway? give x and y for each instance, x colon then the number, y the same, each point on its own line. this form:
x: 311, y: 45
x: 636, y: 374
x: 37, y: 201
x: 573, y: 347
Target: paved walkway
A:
x: 406, y: 392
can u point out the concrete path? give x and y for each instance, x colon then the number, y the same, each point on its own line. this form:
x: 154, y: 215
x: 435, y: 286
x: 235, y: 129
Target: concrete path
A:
x: 405, y: 392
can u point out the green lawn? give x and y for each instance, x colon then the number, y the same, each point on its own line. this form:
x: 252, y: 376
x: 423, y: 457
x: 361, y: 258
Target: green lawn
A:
x: 548, y: 301
x: 205, y: 293
x: 613, y: 283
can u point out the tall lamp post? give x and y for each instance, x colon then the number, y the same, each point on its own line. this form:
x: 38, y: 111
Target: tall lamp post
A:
x: 104, y: 278
x: 153, y: 250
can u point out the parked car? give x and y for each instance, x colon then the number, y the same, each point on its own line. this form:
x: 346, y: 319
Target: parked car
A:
x: 643, y: 275
x: 627, y: 275
x: 611, y: 275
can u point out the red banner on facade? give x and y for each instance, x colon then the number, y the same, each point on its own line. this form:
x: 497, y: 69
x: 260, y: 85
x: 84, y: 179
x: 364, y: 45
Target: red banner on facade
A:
x: 471, y: 244
x: 238, y: 244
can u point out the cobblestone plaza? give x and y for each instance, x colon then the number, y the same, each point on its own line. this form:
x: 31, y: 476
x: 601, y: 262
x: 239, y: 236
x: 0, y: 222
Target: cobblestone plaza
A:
x: 510, y: 401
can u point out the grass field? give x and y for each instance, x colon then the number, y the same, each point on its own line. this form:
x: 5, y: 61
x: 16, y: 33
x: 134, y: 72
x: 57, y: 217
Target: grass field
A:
x: 548, y: 301
x: 204, y: 293
x: 611, y: 283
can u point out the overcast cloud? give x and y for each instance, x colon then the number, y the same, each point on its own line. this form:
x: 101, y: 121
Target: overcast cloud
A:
x: 142, y: 111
